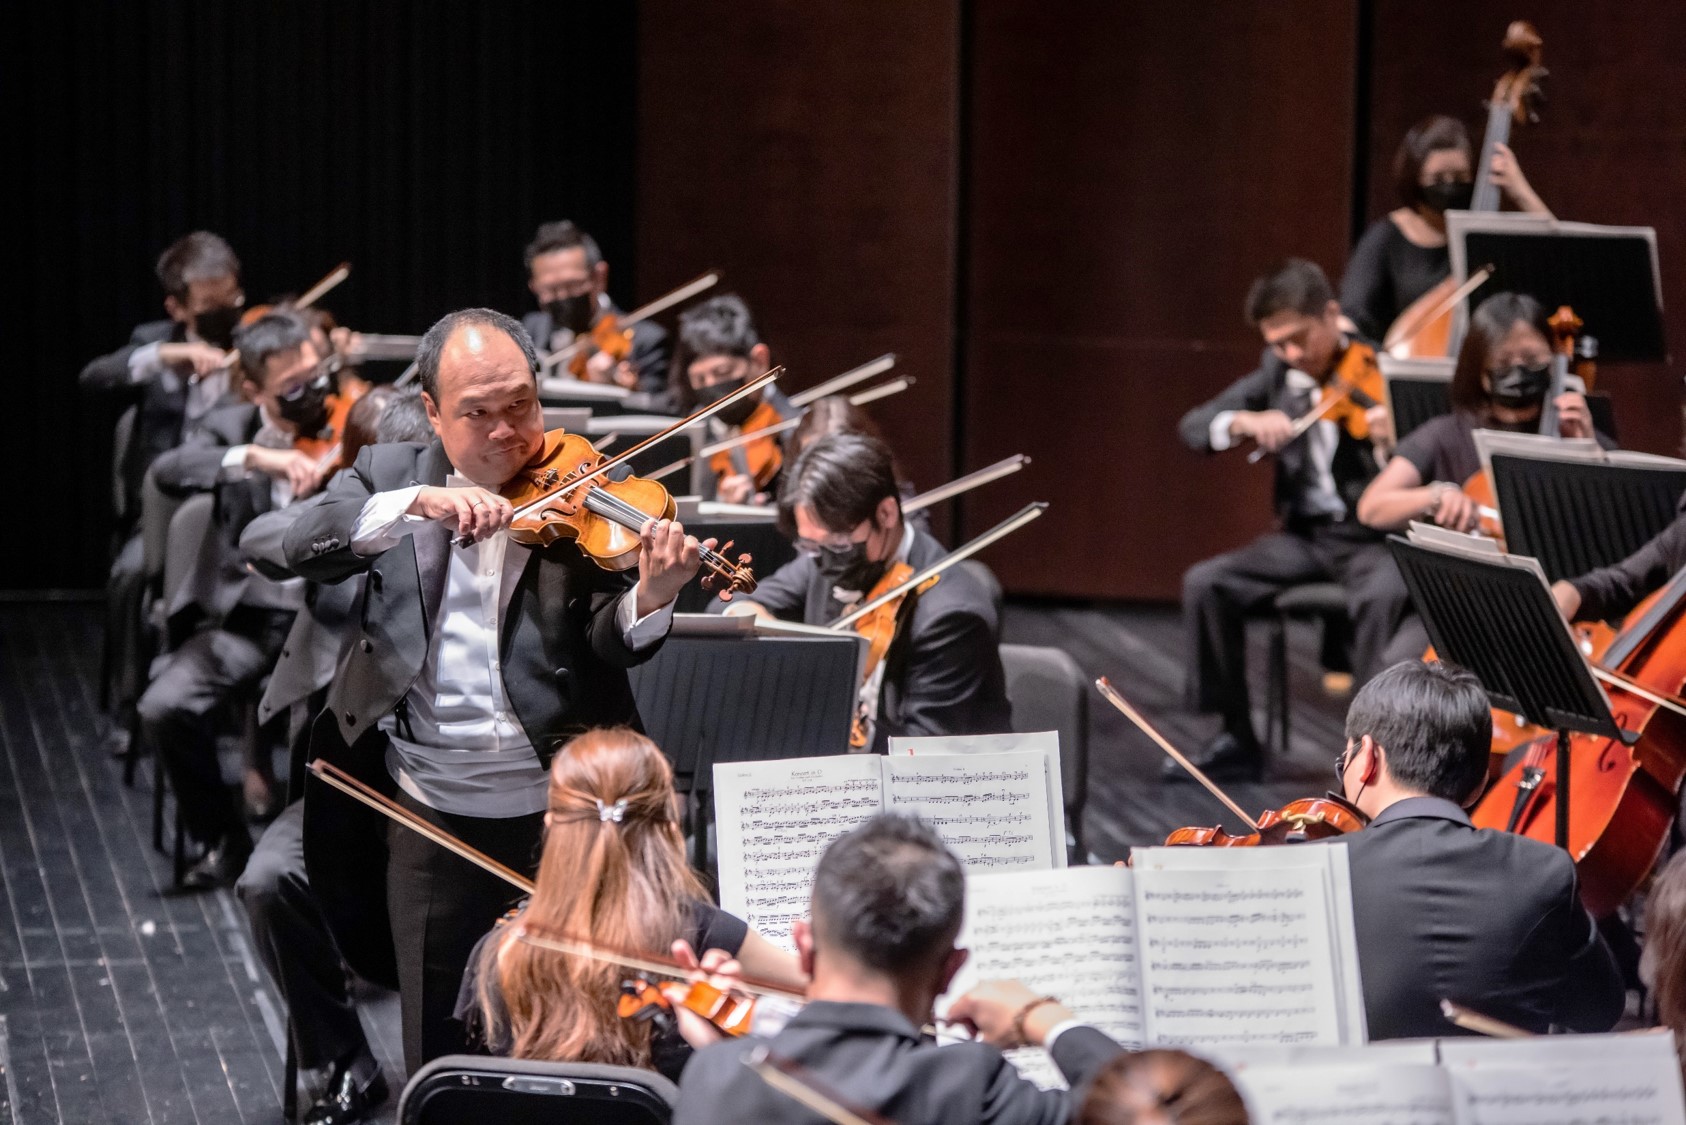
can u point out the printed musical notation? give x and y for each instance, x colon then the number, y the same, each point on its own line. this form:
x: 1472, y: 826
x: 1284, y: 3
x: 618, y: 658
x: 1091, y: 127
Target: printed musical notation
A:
x: 994, y: 817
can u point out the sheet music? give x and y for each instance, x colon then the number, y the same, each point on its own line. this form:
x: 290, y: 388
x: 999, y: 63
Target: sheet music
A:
x: 1376, y: 1094
x: 1046, y: 743
x: 991, y: 809
x: 1630, y: 1079
x: 1068, y: 933
x: 773, y: 819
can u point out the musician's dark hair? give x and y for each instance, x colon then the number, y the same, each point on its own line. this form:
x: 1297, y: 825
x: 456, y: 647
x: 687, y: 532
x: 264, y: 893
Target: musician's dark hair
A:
x: 1162, y: 1086
x: 889, y: 894
x: 1489, y: 324
x: 842, y: 477
x: 1662, y: 962
x: 561, y: 235
x: 1293, y: 284
x: 277, y: 331
x: 432, y: 344
x: 403, y: 418
x: 1433, y: 722
x: 1438, y: 133
x: 199, y: 256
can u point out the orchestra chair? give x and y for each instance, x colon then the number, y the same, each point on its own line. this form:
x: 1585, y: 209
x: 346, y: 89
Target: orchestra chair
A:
x: 122, y: 440
x: 1048, y: 691
x: 1323, y: 602
x: 470, y: 1090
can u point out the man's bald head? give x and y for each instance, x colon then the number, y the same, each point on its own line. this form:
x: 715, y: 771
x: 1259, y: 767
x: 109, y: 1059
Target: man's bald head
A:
x: 479, y: 384
x: 486, y: 322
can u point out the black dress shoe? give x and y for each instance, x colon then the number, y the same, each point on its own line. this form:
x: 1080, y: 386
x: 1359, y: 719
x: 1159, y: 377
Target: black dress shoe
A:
x: 220, y: 866
x: 1225, y: 758
x: 356, y: 1087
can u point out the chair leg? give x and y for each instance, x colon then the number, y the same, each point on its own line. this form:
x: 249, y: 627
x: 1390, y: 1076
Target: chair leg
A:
x: 178, y: 851
x: 1276, y: 711
x: 158, y: 783
x: 290, y: 1078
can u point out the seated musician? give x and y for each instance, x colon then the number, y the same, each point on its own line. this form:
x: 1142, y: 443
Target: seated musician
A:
x: 1403, y: 255
x: 1612, y: 592
x: 887, y: 903
x: 570, y: 280
x: 835, y: 414
x: 1319, y: 477
x: 720, y: 351
x: 288, y: 932
x: 942, y: 673
x: 1161, y: 1086
x: 1444, y: 910
x: 1500, y: 383
x: 1662, y: 964
x: 172, y: 371
x: 243, y: 451
x: 612, y: 869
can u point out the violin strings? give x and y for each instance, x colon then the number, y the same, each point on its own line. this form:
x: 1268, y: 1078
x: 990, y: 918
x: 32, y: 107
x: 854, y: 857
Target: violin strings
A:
x: 632, y: 518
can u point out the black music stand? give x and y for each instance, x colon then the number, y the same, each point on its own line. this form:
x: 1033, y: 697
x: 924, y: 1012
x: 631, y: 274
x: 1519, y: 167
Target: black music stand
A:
x: 1417, y: 390
x: 718, y: 692
x: 1576, y: 516
x: 1608, y: 275
x: 1500, y: 622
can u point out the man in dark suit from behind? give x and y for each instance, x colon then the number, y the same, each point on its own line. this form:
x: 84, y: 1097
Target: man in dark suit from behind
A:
x: 172, y: 372
x: 942, y: 672
x: 242, y: 451
x: 887, y: 904
x: 1445, y: 910
x: 568, y: 276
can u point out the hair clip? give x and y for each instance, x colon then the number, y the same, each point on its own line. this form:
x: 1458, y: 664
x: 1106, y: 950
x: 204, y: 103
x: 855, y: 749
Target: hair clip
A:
x: 615, y: 812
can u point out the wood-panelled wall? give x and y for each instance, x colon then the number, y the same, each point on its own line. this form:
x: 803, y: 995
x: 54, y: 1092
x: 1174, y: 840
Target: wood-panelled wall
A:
x: 1052, y: 210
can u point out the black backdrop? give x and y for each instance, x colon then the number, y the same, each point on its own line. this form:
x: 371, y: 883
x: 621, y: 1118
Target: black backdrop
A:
x: 420, y: 142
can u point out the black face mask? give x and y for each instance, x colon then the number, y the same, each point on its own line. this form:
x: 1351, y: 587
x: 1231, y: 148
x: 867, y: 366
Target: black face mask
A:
x: 1518, y: 387
x: 307, y: 407
x: 573, y: 313
x: 1447, y: 195
x: 737, y: 413
x: 849, y: 568
x: 216, y: 326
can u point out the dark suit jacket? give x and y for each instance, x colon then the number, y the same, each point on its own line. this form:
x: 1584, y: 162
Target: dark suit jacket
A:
x: 161, y: 402
x: 875, y: 1059
x: 1266, y: 388
x: 1488, y: 919
x: 942, y: 673
x: 651, y: 348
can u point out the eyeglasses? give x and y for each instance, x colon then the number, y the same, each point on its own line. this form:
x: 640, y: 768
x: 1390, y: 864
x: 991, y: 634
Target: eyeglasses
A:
x: 323, y: 370
x: 839, y: 541
x: 1340, y: 766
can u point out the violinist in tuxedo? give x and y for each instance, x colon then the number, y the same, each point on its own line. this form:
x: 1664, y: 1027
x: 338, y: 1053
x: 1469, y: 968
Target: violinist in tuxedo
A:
x: 475, y: 657
x: 942, y: 671
x: 243, y: 451
x: 1319, y: 477
x: 172, y: 371
x: 570, y: 280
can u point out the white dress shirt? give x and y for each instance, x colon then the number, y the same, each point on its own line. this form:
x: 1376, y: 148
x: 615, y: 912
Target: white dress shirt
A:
x: 1321, y: 497
x: 202, y: 391
x: 461, y: 748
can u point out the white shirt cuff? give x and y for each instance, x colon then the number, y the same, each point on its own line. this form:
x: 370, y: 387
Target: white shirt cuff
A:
x: 234, y: 462
x: 642, y: 632
x: 1058, y: 1030
x: 1218, y: 435
x: 143, y: 361
x: 383, y: 523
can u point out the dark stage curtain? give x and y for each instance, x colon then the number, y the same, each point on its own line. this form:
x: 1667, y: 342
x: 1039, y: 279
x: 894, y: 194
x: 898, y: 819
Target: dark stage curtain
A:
x: 422, y: 142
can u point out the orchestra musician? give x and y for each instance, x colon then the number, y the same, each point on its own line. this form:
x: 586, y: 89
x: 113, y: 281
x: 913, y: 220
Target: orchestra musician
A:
x: 1161, y: 1086
x: 1662, y: 964
x: 1612, y: 592
x: 470, y: 665
x: 612, y: 871
x: 887, y: 904
x: 942, y: 672
x: 1501, y: 382
x: 241, y: 450
x: 720, y: 351
x: 1319, y: 478
x: 1443, y: 910
x: 570, y: 280
x: 172, y: 371
x: 1403, y: 254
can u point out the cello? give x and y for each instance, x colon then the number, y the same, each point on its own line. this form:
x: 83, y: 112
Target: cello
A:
x: 1425, y: 327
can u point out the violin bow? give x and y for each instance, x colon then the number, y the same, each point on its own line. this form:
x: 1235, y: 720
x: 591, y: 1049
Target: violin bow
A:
x: 1007, y: 466
x: 793, y: 1081
x: 846, y: 380
x: 1632, y: 686
x: 643, y: 312
x: 642, y: 962
x: 1471, y: 1020
x: 1305, y: 421
x: 1006, y: 527
x: 386, y: 806
x: 310, y: 296
x: 1177, y: 756
x: 1410, y: 331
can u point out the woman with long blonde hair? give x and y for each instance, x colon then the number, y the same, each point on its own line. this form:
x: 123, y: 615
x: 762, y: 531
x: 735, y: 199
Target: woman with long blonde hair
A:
x: 613, y: 872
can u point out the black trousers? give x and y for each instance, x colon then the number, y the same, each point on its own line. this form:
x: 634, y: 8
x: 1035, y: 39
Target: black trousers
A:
x: 178, y: 712
x: 295, y: 946
x: 128, y: 647
x: 1219, y: 594
x: 441, y: 905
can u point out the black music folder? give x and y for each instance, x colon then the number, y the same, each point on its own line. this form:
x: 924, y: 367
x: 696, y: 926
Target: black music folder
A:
x: 1608, y: 275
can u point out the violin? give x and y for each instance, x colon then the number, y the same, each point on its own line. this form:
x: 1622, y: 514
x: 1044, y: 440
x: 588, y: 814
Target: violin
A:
x: 608, y: 336
x: 1425, y: 327
x: 759, y: 459
x: 613, y: 332
x: 1355, y: 387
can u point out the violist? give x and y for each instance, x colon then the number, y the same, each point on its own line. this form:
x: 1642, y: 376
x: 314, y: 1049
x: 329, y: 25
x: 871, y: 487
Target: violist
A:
x: 569, y: 278
x: 719, y: 351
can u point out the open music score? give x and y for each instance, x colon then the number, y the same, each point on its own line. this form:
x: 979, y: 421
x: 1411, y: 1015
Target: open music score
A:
x: 998, y: 811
